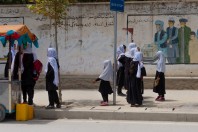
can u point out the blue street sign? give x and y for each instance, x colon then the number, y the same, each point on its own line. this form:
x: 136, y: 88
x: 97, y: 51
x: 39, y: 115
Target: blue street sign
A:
x: 117, y: 5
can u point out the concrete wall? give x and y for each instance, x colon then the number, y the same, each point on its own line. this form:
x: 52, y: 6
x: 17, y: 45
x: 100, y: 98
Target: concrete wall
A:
x: 87, y: 37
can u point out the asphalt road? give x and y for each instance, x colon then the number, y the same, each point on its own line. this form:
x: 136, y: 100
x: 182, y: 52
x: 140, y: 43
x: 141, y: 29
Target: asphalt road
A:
x: 64, y: 125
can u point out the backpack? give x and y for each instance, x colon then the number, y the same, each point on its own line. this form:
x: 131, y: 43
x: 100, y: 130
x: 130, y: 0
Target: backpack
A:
x: 37, y: 69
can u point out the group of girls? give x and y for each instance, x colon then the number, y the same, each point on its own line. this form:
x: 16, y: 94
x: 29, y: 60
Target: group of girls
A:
x: 130, y: 76
x: 27, y: 57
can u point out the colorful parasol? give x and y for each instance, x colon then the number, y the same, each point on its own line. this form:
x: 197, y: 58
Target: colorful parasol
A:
x: 17, y: 32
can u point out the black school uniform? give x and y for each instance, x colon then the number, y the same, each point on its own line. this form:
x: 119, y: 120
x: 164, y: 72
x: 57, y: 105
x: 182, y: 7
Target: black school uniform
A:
x: 104, y: 89
x: 27, y: 78
x: 51, y: 87
x: 160, y: 88
x: 134, y: 95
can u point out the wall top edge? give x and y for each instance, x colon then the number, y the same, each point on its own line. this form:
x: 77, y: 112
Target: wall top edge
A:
x: 136, y: 2
x: 104, y: 3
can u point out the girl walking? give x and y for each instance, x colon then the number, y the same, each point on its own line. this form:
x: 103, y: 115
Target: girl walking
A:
x: 104, y: 78
x: 160, y: 86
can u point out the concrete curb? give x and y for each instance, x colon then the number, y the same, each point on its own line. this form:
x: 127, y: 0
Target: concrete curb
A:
x: 41, y: 113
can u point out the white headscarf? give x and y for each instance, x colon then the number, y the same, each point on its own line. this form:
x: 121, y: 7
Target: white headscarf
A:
x: 120, y: 52
x: 107, y: 73
x: 52, y: 53
x: 52, y: 60
x: 13, y: 52
x: 133, y: 51
x: 138, y: 57
x: 130, y: 47
x: 160, y: 62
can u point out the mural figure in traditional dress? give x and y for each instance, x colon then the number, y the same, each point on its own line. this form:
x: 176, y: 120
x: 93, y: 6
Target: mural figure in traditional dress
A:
x: 160, y: 38
x: 172, y: 41
x: 193, y: 48
x: 184, y: 38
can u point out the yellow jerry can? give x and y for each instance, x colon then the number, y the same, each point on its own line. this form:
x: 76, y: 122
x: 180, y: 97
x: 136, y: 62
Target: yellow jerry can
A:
x: 30, y: 112
x: 22, y: 112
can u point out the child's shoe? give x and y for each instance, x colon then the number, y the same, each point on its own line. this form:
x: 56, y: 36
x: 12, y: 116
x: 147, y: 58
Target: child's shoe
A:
x: 58, y: 106
x: 161, y: 99
x: 104, y: 104
x: 49, y: 107
x: 157, y: 98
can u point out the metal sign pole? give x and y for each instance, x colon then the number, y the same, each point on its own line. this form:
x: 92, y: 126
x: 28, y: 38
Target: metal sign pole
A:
x: 115, y: 60
x: 127, y: 31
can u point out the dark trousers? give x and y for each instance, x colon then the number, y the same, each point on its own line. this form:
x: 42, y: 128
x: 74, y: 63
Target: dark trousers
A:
x: 28, y: 90
x: 53, y: 97
x: 105, y: 97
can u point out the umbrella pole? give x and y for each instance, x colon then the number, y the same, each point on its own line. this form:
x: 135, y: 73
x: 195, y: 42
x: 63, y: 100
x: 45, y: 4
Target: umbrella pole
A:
x: 9, y: 76
x: 19, y: 71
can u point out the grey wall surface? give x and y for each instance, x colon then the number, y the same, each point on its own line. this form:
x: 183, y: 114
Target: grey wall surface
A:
x: 87, y: 37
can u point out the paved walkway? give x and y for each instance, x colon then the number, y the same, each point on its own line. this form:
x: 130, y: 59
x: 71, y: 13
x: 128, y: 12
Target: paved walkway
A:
x: 180, y: 105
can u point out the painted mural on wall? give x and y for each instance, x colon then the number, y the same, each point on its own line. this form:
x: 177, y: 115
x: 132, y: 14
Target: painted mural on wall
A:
x: 166, y: 26
x: 178, y: 43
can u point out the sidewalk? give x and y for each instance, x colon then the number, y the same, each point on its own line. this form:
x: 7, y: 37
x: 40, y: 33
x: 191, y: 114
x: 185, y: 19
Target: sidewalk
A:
x: 180, y: 105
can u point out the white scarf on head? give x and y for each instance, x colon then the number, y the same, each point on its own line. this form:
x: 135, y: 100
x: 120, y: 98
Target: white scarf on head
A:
x: 52, y: 53
x: 52, y: 61
x: 133, y: 51
x: 120, y: 52
x: 160, y: 62
x: 131, y: 45
x: 13, y: 52
x: 138, y: 57
x: 107, y: 73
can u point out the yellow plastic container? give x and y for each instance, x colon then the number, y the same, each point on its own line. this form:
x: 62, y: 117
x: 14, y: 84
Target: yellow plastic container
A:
x: 30, y: 112
x: 22, y: 112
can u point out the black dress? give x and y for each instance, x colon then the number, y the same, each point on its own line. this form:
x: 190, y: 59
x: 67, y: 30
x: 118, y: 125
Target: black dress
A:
x: 126, y: 72
x: 160, y: 88
x: 134, y: 95
x: 49, y: 79
x: 105, y: 87
x: 27, y: 78
x: 51, y: 87
x: 120, y: 72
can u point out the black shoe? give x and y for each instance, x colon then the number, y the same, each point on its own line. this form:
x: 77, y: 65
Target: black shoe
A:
x: 30, y: 102
x: 49, y: 107
x: 58, y: 106
x: 121, y: 94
